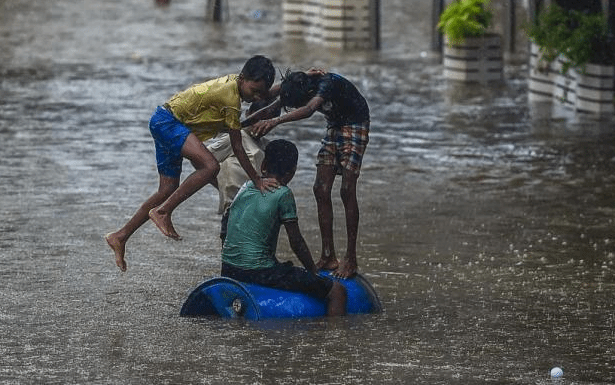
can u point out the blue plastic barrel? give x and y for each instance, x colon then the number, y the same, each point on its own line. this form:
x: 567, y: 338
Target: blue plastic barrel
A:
x: 228, y: 298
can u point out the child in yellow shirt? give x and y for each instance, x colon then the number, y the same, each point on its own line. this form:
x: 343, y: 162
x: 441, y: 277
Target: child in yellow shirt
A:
x: 179, y: 128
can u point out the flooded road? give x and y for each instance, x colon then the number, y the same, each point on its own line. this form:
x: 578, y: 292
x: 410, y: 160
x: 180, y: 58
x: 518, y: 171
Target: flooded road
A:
x: 486, y: 224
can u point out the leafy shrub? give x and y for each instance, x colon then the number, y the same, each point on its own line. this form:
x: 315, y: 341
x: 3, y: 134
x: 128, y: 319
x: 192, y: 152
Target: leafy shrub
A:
x: 465, y: 18
x: 579, y: 37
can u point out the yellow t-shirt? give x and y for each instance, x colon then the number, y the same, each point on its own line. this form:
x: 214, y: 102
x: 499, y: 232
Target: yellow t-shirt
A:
x: 208, y: 108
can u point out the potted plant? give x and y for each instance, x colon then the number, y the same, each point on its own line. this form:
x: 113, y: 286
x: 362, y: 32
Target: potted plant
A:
x: 471, y: 53
x: 572, y: 59
x: 547, y: 34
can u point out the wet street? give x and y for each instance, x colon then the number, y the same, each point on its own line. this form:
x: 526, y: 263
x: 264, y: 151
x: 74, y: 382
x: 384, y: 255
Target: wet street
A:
x: 487, y: 223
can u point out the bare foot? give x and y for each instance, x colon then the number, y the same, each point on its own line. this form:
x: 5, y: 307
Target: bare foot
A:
x: 347, y: 269
x: 164, y: 224
x: 327, y: 263
x: 119, y: 248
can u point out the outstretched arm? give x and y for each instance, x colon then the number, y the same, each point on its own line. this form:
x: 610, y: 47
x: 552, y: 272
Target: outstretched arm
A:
x: 264, y: 126
x: 268, y: 112
x: 297, y: 243
x: 274, y: 91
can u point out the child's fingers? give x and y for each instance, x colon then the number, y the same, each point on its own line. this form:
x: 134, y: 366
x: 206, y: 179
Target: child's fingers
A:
x: 257, y: 129
x: 261, y: 128
x: 316, y: 71
x: 269, y: 184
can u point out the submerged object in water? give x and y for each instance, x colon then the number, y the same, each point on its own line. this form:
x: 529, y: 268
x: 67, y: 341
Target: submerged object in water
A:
x: 228, y: 298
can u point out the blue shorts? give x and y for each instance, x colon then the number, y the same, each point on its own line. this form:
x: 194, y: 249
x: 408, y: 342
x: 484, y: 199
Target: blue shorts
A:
x: 169, y: 136
x: 282, y: 276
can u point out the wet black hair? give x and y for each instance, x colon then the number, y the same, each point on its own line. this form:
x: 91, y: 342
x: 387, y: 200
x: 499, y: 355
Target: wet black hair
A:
x: 297, y: 89
x: 280, y: 157
x: 259, y: 68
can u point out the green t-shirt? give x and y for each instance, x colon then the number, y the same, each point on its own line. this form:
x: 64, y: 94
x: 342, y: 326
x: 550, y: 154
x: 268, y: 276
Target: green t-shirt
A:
x: 254, y: 224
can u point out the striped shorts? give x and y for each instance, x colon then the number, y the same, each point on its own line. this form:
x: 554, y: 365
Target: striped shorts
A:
x: 343, y: 147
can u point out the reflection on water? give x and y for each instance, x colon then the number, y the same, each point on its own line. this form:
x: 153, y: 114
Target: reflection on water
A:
x: 486, y: 225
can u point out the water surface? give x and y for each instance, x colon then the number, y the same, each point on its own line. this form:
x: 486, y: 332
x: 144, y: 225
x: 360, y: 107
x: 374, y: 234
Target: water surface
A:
x: 486, y: 224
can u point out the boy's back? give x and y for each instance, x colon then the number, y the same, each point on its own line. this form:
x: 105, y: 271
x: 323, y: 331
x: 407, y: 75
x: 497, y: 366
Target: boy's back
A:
x: 344, y: 104
x: 254, y: 224
x: 222, y: 97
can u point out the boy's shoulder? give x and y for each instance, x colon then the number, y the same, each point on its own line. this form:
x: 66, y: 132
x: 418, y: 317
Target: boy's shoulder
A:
x: 222, y: 80
x: 249, y: 188
x: 282, y: 196
x: 281, y: 191
x: 223, y: 89
x: 251, y: 198
x: 332, y: 77
x: 226, y: 84
x: 332, y: 81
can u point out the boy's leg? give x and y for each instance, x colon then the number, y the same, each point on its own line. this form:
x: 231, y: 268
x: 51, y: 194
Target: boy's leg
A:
x: 325, y: 175
x: 351, y: 145
x: 206, y: 169
x: 336, y: 305
x: 285, y: 276
x: 348, y: 193
x: 117, y: 240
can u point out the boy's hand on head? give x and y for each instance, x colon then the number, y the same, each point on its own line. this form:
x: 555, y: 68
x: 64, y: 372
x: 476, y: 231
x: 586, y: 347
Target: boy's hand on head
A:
x: 267, y: 184
x: 315, y: 71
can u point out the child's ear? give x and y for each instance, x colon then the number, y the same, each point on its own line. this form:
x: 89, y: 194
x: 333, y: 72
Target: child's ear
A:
x: 290, y: 174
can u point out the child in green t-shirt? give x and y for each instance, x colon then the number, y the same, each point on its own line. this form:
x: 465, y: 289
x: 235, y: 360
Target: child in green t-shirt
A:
x: 254, y: 224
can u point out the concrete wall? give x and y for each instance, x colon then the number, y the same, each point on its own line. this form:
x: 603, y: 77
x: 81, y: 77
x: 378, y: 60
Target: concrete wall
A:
x: 343, y: 24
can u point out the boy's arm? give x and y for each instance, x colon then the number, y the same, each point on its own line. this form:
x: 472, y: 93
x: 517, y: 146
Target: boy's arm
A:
x: 297, y: 243
x: 274, y: 91
x: 263, y: 127
x: 266, y: 184
x: 270, y: 111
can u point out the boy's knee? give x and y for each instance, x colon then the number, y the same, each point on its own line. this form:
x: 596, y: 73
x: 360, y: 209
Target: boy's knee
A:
x: 321, y: 190
x: 348, y: 190
x: 166, y: 191
x: 211, y: 169
x: 215, y: 168
x: 167, y: 186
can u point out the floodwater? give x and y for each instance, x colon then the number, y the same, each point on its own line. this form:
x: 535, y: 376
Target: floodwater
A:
x: 486, y: 224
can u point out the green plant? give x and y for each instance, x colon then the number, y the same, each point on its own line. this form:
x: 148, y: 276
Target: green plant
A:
x: 550, y: 31
x: 579, y: 37
x: 465, y: 18
x: 589, y: 42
